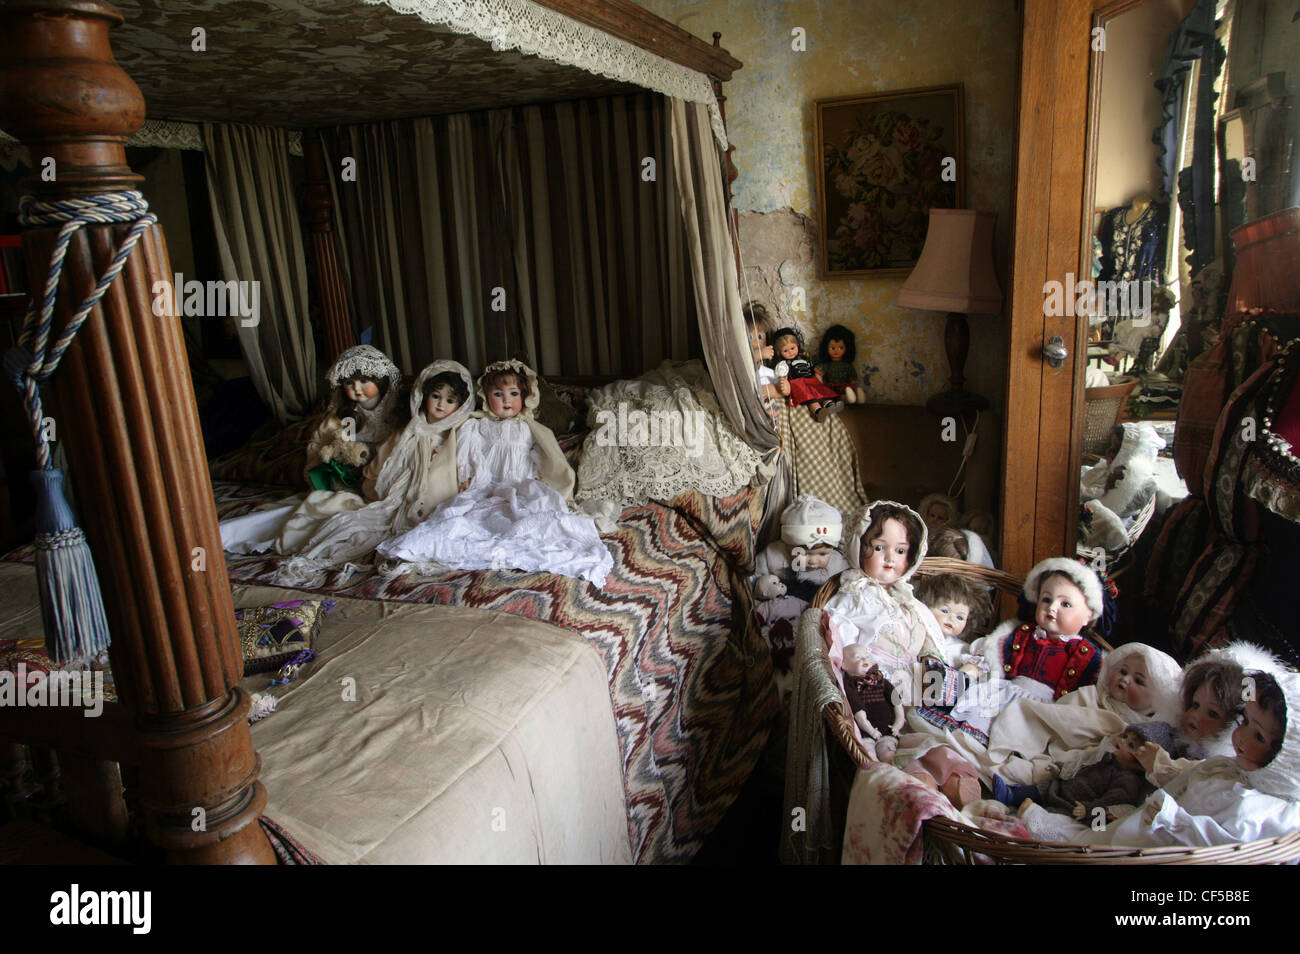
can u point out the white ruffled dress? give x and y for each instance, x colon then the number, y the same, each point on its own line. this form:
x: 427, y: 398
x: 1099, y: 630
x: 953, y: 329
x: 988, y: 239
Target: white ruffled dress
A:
x: 507, y: 518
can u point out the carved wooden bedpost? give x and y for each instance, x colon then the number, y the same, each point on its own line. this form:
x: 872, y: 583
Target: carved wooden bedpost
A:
x: 318, y: 208
x: 125, y: 412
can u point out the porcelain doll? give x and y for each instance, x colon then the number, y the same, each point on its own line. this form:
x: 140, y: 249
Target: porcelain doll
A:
x: 362, y: 415
x: 797, y: 379
x: 836, y: 355
x: 875, y: 607
x: 939, y: 511
x: 873, y: 703
x: 513, y: 508
x: 1116, y: 783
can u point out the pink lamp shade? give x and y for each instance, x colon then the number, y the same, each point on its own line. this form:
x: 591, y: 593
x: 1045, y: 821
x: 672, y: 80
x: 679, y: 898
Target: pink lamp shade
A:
x: 955, y: 272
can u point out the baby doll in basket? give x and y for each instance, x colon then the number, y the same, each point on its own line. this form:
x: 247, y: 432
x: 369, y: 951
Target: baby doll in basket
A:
x: 1107, y: 789
x: 874, y: 703
x: 1254, y: 794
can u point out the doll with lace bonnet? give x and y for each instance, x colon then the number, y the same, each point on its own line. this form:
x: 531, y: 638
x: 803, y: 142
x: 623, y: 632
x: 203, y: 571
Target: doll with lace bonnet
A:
x: 362, y: 415
x: 411, y: 474
x: 1211, y: 700
x: 1253, y: 794
x: 875, y: 606
x: 513, y: 510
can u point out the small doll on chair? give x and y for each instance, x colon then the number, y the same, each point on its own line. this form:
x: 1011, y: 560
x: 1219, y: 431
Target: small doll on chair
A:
x: 363, y: 414
x: 797, y: 379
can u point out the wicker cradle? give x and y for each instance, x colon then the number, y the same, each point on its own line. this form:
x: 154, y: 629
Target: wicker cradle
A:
x: 950, y: 842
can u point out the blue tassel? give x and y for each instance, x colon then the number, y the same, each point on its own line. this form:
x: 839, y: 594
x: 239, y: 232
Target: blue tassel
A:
x: 71, y: 604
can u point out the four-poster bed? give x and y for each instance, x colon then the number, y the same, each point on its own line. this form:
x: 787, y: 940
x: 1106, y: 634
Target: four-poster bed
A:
x: 127, y: 416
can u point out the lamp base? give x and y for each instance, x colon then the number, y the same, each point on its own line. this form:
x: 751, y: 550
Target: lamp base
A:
x: 955, y: 403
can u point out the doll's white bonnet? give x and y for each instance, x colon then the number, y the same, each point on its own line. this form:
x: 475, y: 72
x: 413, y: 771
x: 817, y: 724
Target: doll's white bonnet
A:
x: 1082, y: 576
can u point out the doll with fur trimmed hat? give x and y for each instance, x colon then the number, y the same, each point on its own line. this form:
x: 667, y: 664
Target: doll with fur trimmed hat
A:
x: 362, y: 415
x: 875, y: 606
x: 513, y: 510
x: 1049, y: 657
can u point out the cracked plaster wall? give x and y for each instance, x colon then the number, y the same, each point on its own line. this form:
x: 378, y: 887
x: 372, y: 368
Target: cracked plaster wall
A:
x: 861, y: 47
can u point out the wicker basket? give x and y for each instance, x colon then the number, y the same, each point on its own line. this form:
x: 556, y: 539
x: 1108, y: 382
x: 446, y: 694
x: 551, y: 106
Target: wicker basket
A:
x: 954, y: 843
x: 1104, y: 407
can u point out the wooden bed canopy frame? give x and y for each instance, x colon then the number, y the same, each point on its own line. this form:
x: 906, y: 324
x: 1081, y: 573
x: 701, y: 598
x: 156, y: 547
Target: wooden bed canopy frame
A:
x: 127, y: 414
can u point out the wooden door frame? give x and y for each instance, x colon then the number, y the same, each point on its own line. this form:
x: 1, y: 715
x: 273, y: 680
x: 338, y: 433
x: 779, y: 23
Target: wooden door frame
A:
x: 1055, y: 148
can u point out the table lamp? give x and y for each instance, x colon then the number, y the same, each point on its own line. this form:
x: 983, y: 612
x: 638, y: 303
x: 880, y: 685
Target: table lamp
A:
x: 955, y: 274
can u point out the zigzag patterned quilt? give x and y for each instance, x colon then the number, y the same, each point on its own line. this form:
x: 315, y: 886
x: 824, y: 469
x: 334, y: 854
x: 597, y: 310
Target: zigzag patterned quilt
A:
x: 690, y: 679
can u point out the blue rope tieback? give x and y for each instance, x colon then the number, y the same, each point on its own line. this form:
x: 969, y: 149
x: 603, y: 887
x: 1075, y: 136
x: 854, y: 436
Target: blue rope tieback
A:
x: 71, y: 604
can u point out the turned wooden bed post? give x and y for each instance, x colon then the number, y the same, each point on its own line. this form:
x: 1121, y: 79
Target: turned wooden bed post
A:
x: 124, y: 407
x: 318, y: 209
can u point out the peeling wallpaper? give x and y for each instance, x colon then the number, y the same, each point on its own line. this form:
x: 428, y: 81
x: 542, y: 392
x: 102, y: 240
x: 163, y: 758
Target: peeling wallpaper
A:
x: 862, y: 47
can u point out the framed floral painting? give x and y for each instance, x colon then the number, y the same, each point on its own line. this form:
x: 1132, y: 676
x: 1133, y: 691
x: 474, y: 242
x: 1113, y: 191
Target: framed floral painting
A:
x: 883, y: 161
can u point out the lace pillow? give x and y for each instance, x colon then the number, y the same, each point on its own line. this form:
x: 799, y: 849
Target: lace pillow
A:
x: 272, y: 635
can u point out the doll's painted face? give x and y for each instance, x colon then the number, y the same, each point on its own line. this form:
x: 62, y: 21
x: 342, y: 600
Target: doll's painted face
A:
x: 884, y: 554
x: 505, y: 400
x: 952, y: 617
x: 788, y: 347
x: 1062, y: 610
x: 758, y: 344
x: 1205, y: 717
x: 836, y: 349
x: 1126, y: 747
x: 1256, y: 738
x: 856, y: 661
x: 441, y: 402
x: 363, y: 391
x: 1131, y: 684
x: 937, y: 515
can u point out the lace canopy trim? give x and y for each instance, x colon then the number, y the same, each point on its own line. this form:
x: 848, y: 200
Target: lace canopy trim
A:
x: 537, y: 31
x: 165, y: 134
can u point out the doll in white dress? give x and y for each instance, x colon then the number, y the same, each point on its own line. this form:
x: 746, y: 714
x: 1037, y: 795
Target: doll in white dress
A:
x: 513, y: 509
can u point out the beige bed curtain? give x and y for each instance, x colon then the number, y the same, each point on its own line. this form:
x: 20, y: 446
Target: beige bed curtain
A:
x: 713, y: 275
x: 259, y: 238
x: 538, y: 232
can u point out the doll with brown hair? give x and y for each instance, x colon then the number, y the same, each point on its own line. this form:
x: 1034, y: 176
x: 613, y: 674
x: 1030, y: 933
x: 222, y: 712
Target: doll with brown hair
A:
x: 363, y: 414
x: 758, y: 328
x: 797, y: 379
x: 875, y: 606
x: 835, y: 357
x: 513, y: 509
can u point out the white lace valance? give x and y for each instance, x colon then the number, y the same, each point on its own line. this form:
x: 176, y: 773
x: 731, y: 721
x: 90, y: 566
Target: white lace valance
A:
x: 538, y: 31
x: 164, y: 134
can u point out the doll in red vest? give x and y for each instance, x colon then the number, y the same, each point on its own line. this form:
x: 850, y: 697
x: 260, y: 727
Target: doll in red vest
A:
x: 1046, y: 658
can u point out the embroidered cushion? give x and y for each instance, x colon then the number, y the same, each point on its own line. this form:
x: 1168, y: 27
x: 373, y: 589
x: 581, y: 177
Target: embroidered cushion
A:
x: 272, y: 635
